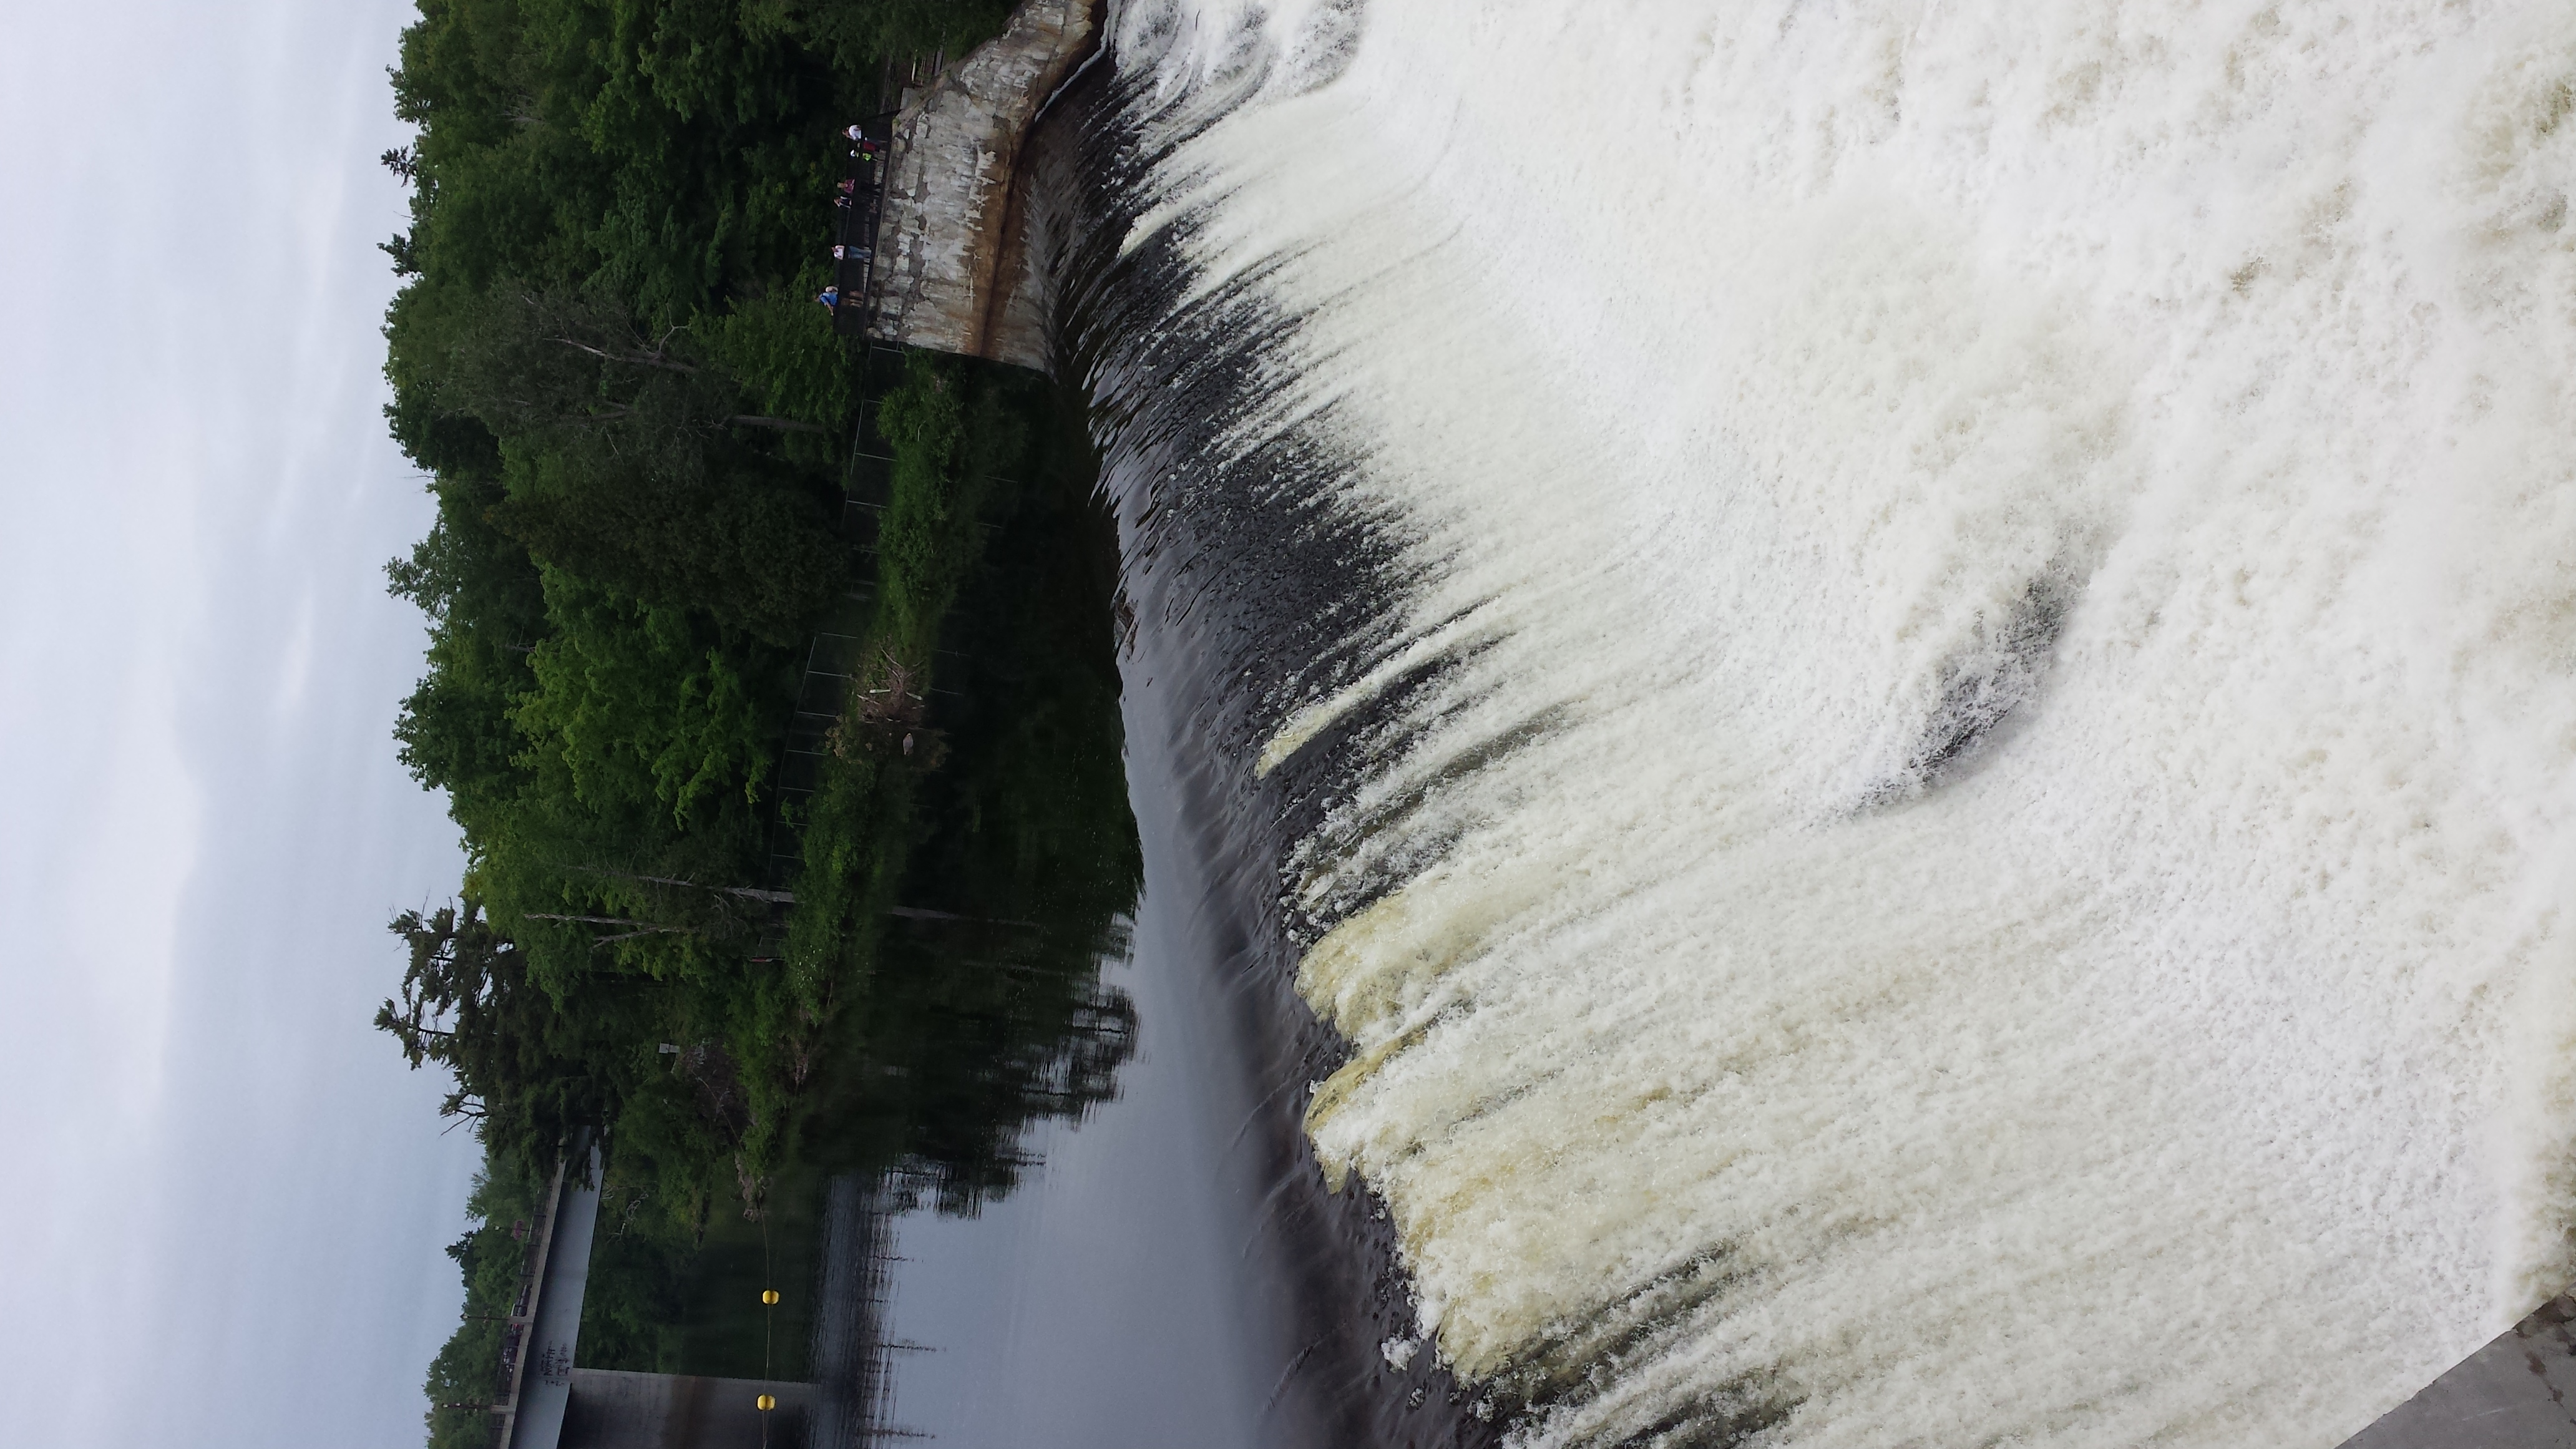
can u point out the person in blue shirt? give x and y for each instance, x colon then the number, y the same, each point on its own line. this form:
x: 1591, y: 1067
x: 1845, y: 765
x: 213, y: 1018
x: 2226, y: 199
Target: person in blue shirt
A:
x: 830, y: 297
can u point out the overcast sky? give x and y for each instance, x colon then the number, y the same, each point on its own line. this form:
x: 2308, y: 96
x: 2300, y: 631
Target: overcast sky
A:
x: 223, y: 1196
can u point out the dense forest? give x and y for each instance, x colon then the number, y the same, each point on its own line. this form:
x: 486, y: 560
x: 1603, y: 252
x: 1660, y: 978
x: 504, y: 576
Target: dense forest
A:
x: 607, y: 361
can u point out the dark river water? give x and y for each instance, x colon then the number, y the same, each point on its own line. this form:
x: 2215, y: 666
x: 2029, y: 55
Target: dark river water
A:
x: 1174, y: 1271
x: 1162, y: 1277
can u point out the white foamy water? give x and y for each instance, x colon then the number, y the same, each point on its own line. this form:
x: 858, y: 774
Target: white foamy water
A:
x: 1775, y: 396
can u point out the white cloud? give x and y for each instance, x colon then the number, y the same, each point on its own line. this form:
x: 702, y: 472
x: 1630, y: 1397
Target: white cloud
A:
x: 223, y: 1190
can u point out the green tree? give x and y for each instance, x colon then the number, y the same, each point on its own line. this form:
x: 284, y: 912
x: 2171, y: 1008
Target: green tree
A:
x: 637, y: 702
x: 528, y: 1064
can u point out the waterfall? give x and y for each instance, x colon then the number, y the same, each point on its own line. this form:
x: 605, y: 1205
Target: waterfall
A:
x: 1903, y: 677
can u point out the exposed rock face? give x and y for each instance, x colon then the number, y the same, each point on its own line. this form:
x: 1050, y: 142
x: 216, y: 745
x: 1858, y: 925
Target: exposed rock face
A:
x: 954, y: 266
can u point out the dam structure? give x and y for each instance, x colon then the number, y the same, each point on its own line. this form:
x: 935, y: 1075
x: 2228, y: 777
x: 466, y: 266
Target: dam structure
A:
x: 1895, y: 863
x: 955, y: 270
x: 2511, y: 1394
x: 2015, y: 968
x: 549, y: 1400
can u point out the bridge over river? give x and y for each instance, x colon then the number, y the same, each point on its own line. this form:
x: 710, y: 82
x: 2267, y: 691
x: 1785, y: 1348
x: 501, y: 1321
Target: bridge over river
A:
x: 549, y: 1402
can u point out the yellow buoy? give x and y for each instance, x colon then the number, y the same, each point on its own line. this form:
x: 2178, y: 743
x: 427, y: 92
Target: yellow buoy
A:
x: 765, y: 1403
x: 768, y: 1295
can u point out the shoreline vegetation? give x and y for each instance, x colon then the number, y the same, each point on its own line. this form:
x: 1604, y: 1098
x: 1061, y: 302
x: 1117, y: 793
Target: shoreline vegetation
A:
x: 606, y: 359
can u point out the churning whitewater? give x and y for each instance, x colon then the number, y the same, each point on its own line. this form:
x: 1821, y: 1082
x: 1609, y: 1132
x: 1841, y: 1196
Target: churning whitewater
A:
x: 1967, y: 800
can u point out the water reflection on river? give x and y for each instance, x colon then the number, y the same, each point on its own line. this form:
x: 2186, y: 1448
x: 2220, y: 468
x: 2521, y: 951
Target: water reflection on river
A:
x: 1104, y: 1303
x: 1160, y: 1276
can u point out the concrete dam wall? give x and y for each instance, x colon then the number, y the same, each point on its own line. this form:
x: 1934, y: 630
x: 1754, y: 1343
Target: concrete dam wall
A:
x: 2511, y: 1394
x: 954, y: 269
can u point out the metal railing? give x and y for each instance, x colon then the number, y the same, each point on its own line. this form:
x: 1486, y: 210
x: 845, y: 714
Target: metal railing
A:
x: 861, y: 226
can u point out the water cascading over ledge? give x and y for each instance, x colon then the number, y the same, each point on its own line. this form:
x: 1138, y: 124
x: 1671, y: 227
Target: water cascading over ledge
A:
x: 1899, y: 862
x: 1913, y: 689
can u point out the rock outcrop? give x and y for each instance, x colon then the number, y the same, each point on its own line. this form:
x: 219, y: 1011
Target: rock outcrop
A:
x: 954, y: 269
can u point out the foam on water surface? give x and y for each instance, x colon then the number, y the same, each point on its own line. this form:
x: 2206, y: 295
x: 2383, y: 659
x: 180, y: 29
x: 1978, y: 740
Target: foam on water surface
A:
x: 1983, y: 863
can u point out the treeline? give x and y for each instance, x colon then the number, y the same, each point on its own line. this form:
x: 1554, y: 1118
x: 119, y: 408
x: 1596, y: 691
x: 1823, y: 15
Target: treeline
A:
x: 635, y: 421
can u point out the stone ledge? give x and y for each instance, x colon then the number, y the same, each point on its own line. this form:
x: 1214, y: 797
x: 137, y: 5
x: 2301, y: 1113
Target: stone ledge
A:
x: 953, y: 269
